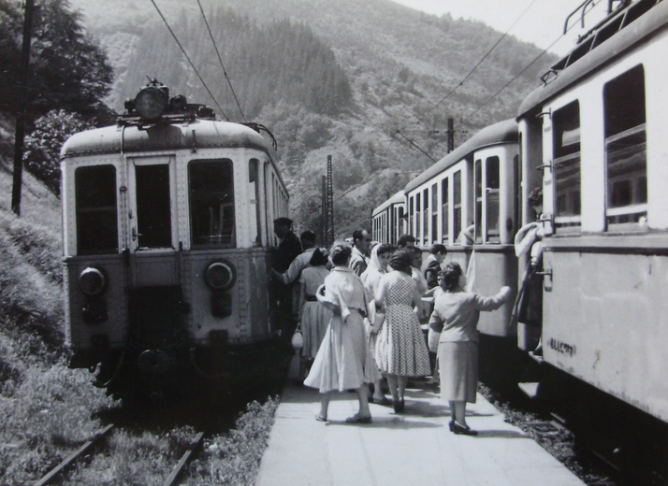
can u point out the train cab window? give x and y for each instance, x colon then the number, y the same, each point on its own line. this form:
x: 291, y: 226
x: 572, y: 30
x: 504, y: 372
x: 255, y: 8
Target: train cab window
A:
x: 566, y: 143
x: 492, y: 186
x: 96, y: 210
x: 457, y: 203
x: 625, y: 149
x: 211, y: 186
x: 445, y: 210
x: 434, y: 213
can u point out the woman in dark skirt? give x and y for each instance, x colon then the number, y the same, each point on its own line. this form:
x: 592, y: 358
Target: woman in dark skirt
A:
x: 455, y: 316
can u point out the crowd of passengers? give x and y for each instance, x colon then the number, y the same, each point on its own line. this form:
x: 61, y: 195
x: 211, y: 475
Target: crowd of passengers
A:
x: 360, y: 308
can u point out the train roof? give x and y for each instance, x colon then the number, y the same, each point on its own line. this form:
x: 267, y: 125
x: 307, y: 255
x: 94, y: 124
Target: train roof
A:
x: 616, y: 35
x: 498, y: 133
x: 197, y: 134
x: 397, y: 198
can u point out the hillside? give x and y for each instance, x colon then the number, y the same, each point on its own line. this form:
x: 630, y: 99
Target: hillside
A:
x: 327, y: 77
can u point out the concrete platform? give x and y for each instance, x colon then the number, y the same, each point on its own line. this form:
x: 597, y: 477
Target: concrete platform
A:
x: 413, y: 448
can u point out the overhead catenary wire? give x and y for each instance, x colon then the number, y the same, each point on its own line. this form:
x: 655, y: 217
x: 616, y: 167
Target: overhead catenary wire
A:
x: 485, y: 56
x: 523, y: 70
x: 189, y: 61
x: 220, y: 59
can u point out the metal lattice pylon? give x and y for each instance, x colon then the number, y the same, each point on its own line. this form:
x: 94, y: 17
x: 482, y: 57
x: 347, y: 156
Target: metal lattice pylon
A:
x: 328, y: 206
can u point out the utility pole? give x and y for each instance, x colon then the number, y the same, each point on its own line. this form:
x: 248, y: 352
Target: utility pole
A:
x: 328, y: 211
x: 21, y: 112
x: 451, y: 134
x: 323, y: 212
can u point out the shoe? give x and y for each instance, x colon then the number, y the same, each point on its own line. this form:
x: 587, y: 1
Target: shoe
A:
x: 452, y: 425
x: 358, y: 419
x: 461, y: 430
x: 382, y: 401
x: 401, y: 405
x: 398, y: 406
x: 320, y: 418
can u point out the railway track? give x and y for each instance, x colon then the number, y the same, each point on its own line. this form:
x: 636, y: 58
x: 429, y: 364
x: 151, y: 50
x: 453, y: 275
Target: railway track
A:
x: 170, y: 480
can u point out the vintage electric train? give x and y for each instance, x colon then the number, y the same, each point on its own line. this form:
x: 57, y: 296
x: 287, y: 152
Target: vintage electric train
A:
x: 592, y: 137
x: 167, y: 224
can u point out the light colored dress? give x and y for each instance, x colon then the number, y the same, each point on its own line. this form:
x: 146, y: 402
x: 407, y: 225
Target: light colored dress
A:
x: 342, y: 357
x: 371, y: 278
x: 400, y: 345
x: 315, y: 317
x: 457, y: 312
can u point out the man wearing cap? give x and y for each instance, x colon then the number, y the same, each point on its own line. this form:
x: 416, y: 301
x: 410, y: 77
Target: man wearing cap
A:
x: 291, y: 275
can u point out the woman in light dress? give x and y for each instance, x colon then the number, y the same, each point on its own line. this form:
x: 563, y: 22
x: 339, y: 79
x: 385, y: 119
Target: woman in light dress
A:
x: 400, y: 348
x: 378, y: 266
x: 455, y: 316
x: 314, y: 317
x: 342, y: 358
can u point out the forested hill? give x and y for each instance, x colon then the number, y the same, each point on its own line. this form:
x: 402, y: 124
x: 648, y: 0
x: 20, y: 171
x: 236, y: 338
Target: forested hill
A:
x: 335, y: 77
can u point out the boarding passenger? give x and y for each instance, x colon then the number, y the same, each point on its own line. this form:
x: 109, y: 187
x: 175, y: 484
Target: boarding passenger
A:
x: 406, y: 241
x: 435, y: 259
x: 342, y: 357
x: 455, y: 316
x: 401, y: 351
x: 358, y: 260
x: 378, y: 266
x: 314, y: 317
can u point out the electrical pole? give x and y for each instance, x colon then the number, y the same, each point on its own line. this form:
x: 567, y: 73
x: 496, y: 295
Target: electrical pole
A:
x: 329, y: 205
x: 21, y: 112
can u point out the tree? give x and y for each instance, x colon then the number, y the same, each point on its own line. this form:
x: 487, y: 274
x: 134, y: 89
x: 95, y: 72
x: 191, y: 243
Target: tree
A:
x: 67, y: 68
x: 42, y: 146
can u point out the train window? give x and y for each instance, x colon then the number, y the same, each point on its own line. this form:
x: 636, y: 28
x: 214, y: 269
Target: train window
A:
x: 425, y: 217
x: 492, y: 176
x: 434, y: 213
x: 626, y: 148
x: 457, y: 202
x: 212, y: 202
x: 96, y: 210
x: 154, y: 215
x: 411, y: 215
x: 445, y: 211
x: 418, y: 217
x: 566, y: 143
x: 254, y: 181
x: 478, y: 200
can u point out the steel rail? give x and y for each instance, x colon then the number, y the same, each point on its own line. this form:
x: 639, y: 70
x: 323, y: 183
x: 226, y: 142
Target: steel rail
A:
x: 171, y: 479
x: 72, y: 457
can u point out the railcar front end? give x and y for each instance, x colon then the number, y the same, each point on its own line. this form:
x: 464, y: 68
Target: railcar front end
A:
x: 167, y: 231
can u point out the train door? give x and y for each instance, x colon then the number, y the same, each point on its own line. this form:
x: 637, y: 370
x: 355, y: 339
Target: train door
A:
x: 151, y: 226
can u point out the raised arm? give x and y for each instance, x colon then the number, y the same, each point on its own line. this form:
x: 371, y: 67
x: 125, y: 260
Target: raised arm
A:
x: 493, y: 302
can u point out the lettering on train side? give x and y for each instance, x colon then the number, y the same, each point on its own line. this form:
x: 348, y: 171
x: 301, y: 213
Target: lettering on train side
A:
x: 562, y: 348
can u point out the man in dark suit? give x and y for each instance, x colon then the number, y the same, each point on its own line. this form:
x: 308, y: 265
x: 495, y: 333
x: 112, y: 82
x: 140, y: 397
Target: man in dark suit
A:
x: 287, y: 250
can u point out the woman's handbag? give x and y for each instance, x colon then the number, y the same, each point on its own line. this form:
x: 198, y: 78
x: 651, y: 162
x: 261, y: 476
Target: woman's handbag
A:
x: 298, y: 339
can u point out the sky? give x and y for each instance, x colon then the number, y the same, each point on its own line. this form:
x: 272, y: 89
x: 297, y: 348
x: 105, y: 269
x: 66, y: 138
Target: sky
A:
x: 542, y: 24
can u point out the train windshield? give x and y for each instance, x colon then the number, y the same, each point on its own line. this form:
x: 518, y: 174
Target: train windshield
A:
x: 96, y: 213
x: 211, y: 184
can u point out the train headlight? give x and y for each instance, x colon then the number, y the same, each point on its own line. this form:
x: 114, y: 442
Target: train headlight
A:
x: 151, y: 102
x: 92, y: 281
x: 220, y: 275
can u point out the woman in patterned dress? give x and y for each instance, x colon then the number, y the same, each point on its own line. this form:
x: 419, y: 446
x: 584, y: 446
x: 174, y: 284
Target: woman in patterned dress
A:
x: 400, y: 348
x: 378, y: 265
x: 314, y: 317
x: 341, y: 360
